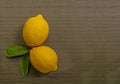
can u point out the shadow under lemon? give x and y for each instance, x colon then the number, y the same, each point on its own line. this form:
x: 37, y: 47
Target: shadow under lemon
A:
x: 34, y: 73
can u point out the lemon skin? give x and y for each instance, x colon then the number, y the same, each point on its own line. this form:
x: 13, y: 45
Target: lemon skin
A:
x: 35, y: 31
x: 44, y: 59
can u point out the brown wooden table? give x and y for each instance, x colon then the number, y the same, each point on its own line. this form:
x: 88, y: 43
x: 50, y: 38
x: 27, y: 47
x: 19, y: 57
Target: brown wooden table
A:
x: 84, y: 33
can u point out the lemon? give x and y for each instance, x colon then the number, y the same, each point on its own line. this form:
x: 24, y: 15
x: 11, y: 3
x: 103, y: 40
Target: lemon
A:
x: 35, y: 31
x: 44, y: 59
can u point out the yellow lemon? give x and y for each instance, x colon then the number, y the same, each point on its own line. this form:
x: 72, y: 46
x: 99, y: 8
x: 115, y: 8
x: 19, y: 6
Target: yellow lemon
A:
x: 44, y: 59
x: 35, y: 31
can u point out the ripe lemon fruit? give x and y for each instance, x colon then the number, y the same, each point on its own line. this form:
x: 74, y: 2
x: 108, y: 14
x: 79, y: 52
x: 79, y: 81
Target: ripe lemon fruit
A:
x: 44, y: 59
x: 35, y: 31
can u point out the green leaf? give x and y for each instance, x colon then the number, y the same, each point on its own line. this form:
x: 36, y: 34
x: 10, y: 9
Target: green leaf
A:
x: 16, y: 50
x: 24, y: 65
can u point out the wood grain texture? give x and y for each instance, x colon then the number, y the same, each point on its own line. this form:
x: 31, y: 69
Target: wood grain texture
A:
x: 84, y: 33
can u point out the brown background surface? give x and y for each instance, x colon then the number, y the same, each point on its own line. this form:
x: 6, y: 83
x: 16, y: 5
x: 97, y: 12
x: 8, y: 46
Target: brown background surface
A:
x: 84, y: 33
